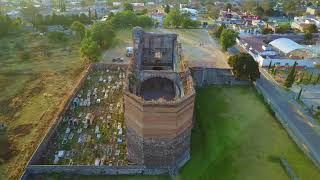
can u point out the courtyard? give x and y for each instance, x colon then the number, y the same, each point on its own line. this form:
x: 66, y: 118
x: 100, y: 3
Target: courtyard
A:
x: 233, y: 140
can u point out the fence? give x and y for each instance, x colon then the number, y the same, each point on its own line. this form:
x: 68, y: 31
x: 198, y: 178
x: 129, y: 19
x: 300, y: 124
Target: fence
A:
x: 214, y: 76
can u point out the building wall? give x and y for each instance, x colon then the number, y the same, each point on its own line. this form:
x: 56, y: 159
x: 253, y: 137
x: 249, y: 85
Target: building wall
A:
x: 158, y: 133
x: 158, y: 120
x: 158, y: 152
x: 263, y: 62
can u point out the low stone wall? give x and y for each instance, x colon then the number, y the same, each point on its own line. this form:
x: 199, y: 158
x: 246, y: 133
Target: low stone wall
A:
x: 106, y: 170
x: 213, y: 76
x: 105, y: 66
x: 96, y: 170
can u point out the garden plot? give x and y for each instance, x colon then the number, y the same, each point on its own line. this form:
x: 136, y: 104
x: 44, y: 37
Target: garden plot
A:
x: 92, y: 129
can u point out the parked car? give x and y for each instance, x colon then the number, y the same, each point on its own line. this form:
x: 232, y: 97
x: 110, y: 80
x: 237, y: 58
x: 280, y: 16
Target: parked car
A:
x: 117, y: 59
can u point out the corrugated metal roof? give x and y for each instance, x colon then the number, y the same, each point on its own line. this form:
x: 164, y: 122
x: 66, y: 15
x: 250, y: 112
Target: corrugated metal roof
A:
x: 285, y: 45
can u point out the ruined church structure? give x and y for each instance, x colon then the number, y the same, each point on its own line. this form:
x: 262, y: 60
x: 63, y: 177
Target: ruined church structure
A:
x: 159, y: 101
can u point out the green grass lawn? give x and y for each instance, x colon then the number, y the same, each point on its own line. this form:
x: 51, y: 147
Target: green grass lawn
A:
x: 235, y: 138
x: 238, y: 138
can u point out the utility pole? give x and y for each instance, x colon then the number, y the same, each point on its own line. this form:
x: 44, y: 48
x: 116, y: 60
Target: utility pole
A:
x: 299, y: 95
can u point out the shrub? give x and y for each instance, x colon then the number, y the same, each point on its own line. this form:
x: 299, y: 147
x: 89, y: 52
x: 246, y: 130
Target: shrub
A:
x: 57, y: 36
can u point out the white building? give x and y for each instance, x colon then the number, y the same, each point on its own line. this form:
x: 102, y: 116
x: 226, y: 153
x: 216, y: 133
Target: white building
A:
x: 189, y: 10
x: 138, y: 4
x: 281, y: 52
x: 116, y: 3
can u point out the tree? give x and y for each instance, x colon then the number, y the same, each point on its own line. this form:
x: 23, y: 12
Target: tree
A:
x: 299, y: 95
x: 30, y: 12
x: 62, y: 5
x: 244, y: 66
x: 291, y: 6
x: 291, y: 76
x: 259, y: 11
x: 90, y: 49
x: 177, y: 19
x: 8, y: 25
x: 283, y: 28
x: 267, y: 31
x: 213, y: 11
x: 219, y: 31
x: 228, y: 38
x: 57, y: 36
x: 127, y: 7
x: 173, y: 19
x: 89, y: 12
x: 85, y: 3
x: 167, y: 9
x: 101, y: 33
x: 307, y: 36
x: 270, y: 65
x: 128, y: 19
x: 95, y: 14
x: 249, y: 5
x: 189, y: 23
x: 79, y: 28
x: 228, y: 7
x: 312, y: 28
x: 143, y: 21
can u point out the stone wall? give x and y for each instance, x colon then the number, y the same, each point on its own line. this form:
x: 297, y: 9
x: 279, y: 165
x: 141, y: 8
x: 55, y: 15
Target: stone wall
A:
x: 213, y: 76
x: 154, y: 119
x: 154, y: 49
x: 157, y: 152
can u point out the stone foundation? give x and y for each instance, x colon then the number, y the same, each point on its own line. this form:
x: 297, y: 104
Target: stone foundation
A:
x: 157, y: 152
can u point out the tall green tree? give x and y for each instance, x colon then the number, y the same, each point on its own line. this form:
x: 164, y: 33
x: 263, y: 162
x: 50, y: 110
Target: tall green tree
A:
x: 127, y: 7
x: 167, y: 9
x: 291, y: 76
x: 218, y: 32
x: 79, y: 29
x: 312, y: 28
x: 228, y: 38
x: 173, y: 19
x: 244, y: 66
x: 90, y: 49
x: 101, y: 33
x: 228, y: 6
x: 291, y: 7
x: 30, y: 12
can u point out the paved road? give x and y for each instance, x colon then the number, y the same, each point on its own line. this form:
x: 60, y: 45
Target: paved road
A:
x: 299, y: 124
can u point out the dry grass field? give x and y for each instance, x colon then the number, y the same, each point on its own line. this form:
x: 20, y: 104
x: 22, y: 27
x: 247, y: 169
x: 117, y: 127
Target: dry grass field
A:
x: 33, y: 86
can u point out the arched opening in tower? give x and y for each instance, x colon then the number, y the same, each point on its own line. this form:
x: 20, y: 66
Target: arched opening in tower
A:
x: 156, y: 88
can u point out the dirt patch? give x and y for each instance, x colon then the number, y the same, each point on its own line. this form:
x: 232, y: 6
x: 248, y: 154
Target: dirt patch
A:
x: 7, y: 149
x: 21, y: 130
x: 5, y: 108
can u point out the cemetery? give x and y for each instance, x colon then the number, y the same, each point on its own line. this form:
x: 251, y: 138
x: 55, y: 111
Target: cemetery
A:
x: 91, y: 131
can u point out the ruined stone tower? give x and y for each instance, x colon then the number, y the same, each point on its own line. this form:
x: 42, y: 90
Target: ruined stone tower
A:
x: 159, y: 102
